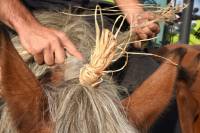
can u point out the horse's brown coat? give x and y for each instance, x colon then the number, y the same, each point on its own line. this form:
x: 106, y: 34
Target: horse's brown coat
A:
x: 23, y: 94
x: 151, y: 98
x: 188, y: 88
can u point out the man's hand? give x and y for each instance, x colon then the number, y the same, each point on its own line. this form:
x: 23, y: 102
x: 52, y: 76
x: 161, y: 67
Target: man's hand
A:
x: 46, y: 44
x: 149, y: 30
x: 137, y: 16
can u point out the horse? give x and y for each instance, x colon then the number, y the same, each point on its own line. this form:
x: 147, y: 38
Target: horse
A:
x: 187, y: 89
x: 36, y: 98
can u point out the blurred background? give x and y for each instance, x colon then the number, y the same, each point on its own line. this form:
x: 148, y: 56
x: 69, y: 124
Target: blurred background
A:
x: 186, y: 30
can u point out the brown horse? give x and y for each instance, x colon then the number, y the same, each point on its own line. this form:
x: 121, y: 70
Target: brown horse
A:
x: 188, y: 89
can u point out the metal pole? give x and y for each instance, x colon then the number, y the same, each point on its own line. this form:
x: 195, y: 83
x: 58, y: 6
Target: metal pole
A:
x: 186, y: 22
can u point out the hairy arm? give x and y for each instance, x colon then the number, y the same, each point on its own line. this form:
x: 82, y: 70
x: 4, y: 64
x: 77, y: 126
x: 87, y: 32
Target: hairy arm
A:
x: 42, y: 42
x: 15, y: 15
x: 136, y: 15
x: 130, y: 8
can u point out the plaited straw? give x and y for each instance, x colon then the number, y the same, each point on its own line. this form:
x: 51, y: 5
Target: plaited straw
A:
x: 102, y: 56
x: 100, y: 59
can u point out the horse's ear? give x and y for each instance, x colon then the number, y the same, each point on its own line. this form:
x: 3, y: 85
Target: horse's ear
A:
x: 20, y: 88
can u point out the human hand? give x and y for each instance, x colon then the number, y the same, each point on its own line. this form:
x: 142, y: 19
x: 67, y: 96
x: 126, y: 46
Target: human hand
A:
x: 46, y: 44
x: 148, y: 31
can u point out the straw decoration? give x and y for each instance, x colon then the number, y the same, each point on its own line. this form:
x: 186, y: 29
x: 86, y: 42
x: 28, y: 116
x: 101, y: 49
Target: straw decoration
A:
x: 100, y: 59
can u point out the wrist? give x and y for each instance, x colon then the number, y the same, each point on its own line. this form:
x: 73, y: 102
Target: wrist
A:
x: 130, y: 8
x: 15, y: 15
x: 21, y: 24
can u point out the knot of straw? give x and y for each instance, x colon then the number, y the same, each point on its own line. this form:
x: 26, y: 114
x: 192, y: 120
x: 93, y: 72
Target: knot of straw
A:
x: 90, y: 74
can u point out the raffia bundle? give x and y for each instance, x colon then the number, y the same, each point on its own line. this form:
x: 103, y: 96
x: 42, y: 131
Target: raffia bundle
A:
x: 86, y: 100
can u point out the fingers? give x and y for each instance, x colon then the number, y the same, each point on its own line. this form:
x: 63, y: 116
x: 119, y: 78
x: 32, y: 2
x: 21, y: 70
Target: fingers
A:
x: 59, y: 55
x: 150, y: 30
x: 39, y: 58
x: 47, y: 45
x: 49, y: 56
x: 54, y: 53
x: 145, y: 33
x: 71, y: 49
x: 149, y: 33
x: 154, y: 27
x: 142, y: 36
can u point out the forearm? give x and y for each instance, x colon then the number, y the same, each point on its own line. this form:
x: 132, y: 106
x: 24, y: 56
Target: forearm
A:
x: 15, y: 15
x: 130, y: 8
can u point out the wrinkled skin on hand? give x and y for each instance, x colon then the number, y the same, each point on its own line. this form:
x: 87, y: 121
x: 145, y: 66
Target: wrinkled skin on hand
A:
x: 47, y: 44
x: 148, y: 31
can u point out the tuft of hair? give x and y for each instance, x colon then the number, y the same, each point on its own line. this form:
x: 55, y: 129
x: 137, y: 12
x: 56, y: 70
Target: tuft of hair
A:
x: 78, y: 109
